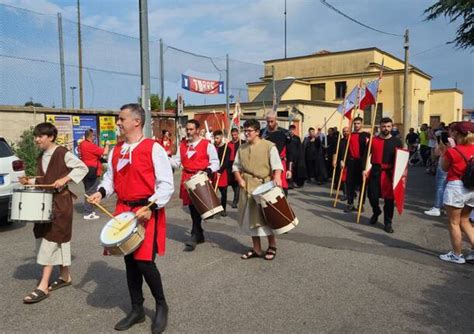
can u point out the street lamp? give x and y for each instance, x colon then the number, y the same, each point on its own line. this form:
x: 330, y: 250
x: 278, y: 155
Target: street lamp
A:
x: 72, y: 95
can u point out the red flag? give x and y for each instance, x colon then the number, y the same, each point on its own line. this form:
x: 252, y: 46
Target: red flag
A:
x: 236, y: 116
x: 370, y: 96
x: 350, y: 101
x: 400, y: 173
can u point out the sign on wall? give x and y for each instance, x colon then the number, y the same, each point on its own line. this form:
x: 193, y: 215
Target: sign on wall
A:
x: 64, y: 125
x: 107, y: 131
x: 79, y: 125
x: 202, y: 86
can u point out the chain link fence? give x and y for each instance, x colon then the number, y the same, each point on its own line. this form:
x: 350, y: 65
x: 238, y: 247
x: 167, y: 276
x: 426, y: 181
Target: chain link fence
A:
x: 30, y: 66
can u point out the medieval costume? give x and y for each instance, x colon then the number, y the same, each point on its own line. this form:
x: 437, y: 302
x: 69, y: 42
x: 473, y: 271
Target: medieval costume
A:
x: 296, y: 153
x: 224, y: 174
x: 355, y: 165
x: 234, y: 147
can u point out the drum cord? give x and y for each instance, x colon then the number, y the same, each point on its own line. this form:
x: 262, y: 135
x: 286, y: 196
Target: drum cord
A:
x: 281, y: 213
x: 208, y: 209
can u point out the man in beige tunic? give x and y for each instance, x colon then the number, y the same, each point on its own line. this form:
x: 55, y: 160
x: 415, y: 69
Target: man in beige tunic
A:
x: 256, y: 162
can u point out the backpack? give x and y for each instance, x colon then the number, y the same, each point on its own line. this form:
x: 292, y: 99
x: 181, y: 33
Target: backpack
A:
x: 468, y: 177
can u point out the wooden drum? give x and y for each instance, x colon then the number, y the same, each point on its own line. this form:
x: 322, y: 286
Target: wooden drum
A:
x: 275, y: 208
x: 203, y: 196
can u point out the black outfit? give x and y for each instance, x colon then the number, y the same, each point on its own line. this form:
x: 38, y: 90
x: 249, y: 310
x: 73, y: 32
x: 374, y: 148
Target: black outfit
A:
x: 330, y: 151
x: 374, y: 191
x: 232, y: 182
x: 224, y: 167
x: 411, y: 139
x: 295, y: 150
x: 339, y: 159
x: 356, y: 165
x: 315, y: 162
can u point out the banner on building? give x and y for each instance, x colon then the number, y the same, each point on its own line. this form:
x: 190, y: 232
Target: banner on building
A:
x: 107, y: 130
x: 64, y: 125
x: 79, y: 125
x: 202, y: 86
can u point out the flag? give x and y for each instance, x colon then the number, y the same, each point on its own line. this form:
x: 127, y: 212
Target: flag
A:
x: 400, y: 172
x: 201, y: 86
x: 236, y: 116
x: 370, y: 96
x: 350, y: 101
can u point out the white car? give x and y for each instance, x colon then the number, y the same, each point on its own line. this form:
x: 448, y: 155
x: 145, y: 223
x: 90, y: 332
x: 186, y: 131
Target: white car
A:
x: 11, y: 167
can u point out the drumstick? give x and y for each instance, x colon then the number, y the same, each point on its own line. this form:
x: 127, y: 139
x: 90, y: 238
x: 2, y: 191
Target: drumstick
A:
x: 131, y: 219
x: 39, y: 185
x: 104, y: 210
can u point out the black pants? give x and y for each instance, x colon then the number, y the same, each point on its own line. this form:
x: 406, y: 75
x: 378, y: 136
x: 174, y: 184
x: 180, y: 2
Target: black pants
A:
x: 311, y: 169
x: 236, y: 189
x: 374, y: 192
x: 197, y: 222
x: 223, y: 191
x: 90, y: 186
x: 353, y: 179
x: 136, y: 271
x: 425, y: 152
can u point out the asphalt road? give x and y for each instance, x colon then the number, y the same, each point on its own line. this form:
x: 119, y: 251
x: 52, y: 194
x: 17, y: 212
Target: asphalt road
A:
x: 330, y: 275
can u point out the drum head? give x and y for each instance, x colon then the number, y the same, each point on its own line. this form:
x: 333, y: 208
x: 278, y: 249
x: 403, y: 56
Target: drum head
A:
x: 263, y: 188
x: 110, y: 234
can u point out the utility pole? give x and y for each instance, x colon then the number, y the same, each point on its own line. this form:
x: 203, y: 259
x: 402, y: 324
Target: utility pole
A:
x: 72, y: 95
x: 285, y: 29
x: 145, y: 66
x: 61, y: 61
x: 162, y: 76
x: 79, y: 50
x: 227, y: 80
x: 406, y: 113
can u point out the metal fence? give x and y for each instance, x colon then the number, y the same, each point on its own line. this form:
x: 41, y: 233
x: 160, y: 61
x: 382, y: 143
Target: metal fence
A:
x: 30, y: 65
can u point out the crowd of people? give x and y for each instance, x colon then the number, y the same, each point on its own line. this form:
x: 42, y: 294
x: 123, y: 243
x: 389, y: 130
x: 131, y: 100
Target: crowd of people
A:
x: 140, y: 173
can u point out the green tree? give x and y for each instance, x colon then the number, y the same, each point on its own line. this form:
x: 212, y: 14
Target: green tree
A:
x: 33, y: 104
x: 155, y: 101
x: 456, y: 9
x: 169, y: 104
x: 27, y: 151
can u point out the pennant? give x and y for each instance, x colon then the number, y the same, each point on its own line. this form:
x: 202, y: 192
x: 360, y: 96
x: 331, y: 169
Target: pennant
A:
x: 400, y: 173
x: 202, y: 86
x: 370, y: 96
x: 350, y: 101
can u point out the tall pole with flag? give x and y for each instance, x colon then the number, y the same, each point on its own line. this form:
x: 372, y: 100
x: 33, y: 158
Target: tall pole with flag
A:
x: 372, y: 94
x: 337, y: 147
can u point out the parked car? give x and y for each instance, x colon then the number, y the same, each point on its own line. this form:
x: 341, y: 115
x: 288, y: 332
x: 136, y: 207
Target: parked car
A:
x: 11, y: 167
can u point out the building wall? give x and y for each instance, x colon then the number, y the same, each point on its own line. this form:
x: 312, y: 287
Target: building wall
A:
x: 298, y: 91
x: 13, y: 124
x: 447, y: 104
x: 254, y: 89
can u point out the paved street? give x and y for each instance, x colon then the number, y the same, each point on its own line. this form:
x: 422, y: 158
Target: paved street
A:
x: 330, y: 275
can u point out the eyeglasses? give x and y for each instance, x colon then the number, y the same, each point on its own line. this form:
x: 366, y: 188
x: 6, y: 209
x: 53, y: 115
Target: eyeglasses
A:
x: 249, y: 130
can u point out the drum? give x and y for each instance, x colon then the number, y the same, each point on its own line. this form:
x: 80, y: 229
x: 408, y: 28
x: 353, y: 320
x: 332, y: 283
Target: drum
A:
x: 203, y: 196
x: 275, y: 208
x: 122, y: 242
x: 31, y: 206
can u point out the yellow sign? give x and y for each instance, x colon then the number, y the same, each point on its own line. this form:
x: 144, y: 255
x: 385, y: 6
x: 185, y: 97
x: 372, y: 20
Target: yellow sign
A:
x: 64, y: 125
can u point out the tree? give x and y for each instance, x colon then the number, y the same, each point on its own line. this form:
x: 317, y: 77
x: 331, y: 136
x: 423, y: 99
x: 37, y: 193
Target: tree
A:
x: 26, y: 150
x: 454, y: 9
x: 155, y: 101
x: 33, y: 104
x: 169, y: 104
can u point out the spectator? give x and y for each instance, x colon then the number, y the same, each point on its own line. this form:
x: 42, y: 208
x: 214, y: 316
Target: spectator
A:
x: 411, y: 140
x: 458, y: 199
x: 91, y: 154
x: 423, y: 140
x: 295, y: 150
x: 166, y: 142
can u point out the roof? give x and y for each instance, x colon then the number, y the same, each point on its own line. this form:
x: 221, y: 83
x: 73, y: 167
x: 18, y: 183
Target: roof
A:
x: 457, y: 90
x: 281, y: 86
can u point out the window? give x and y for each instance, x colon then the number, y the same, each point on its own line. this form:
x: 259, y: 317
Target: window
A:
x: 318, y: 92
x: 5, y: 150
x: 341, y: 88
x: 434, y: 121
x: 368, y: 114
x: 421, y: 111
x: 283, y: 113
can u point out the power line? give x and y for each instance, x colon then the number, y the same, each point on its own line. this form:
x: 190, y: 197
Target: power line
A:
x: 429, y: 49
x: 356, y: 21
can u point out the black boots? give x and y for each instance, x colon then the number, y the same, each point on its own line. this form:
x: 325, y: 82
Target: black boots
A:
x: 193, y: 241
x: 161, y: 318
x: 136, y: 316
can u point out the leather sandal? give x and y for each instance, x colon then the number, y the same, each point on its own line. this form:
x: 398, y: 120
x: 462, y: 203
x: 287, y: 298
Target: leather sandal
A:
x: 251, y: 253
x: 271, y: 253
x: 58, y: 284
x: 35, y: 296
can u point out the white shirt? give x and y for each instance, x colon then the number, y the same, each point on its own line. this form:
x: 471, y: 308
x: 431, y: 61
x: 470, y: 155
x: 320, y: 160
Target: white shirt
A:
x: 214, y: 162
x: 164, y: 184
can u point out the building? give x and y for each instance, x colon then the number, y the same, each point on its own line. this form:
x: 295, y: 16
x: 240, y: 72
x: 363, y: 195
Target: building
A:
x: 313, y: 86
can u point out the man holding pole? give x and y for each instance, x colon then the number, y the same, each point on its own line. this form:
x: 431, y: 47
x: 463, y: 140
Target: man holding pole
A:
x: 139, y: 172
x: 221, y: 177
x: 234, y: 145
x: 355, y: 165
x: 380, y: 176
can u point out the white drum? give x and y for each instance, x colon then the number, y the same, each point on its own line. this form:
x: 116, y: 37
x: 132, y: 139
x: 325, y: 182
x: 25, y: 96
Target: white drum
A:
x: 122, y: 242
x: 31, y: 206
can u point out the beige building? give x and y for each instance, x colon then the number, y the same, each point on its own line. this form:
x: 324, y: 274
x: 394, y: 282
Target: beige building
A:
x: 326, y: 76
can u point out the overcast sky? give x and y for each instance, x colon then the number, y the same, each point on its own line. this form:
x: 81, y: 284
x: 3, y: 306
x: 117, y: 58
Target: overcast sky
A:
x: 252, y: 31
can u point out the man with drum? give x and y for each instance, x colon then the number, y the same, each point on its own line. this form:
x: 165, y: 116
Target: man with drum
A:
x: 195, y: 154
x: 256, y: 162
x: 222, y: 176
x: 56, y: 166
x: 281, y: 138
x: 139, y: 173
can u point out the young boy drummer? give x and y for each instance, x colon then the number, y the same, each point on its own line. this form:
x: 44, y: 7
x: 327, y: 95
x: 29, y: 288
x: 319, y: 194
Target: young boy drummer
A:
x: 256, y: 162
x: 56, y: 166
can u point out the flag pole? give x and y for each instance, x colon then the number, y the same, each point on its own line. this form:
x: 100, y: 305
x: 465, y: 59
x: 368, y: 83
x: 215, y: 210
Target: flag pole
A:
x: 337, y: 149
x: 372, y: 126
x: 356, y: 107
x: 236, y: 112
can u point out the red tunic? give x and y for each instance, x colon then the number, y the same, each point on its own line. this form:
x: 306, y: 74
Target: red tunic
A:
x: 167, y: 145
x: 90, y: 154
x: 136, y: 181
x: 386, y: 173
x: 196, y: 161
